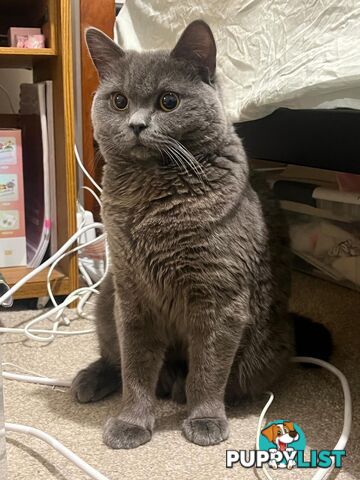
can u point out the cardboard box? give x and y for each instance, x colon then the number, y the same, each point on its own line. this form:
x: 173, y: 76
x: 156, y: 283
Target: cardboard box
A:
x: 12, y: 212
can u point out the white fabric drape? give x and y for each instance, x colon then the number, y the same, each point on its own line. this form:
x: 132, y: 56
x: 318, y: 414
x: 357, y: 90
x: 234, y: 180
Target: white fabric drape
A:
x: 271, y: 53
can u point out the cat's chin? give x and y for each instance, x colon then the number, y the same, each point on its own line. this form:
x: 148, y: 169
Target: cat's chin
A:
x: 141, y: 151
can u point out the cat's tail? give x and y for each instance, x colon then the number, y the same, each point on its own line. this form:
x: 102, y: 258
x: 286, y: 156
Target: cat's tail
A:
x: 312, y: 339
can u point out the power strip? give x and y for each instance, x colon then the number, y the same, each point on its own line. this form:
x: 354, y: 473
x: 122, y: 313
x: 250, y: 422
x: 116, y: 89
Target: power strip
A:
x: 84, y: 219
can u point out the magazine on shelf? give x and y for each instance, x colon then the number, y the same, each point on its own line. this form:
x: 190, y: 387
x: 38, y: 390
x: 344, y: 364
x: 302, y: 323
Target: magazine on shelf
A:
x: 52, y: 171
x: 12, y: 218
x: 36, y: 170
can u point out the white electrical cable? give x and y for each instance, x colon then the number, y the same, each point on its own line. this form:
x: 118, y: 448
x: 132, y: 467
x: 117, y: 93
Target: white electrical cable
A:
x: 26, y: 370
x: 321, y: 473
x: 53, y: 442
x: 54, y: 382
x: 48, y: 262
x: 60, y: 308
x: 85, y: 299
x: 259, y: 427
x: 29, y: 333
x: 40, y: 330
x: 33, y: 377
x: 91, y: 285
x: 56, y: 261
x: 261, y: 418
x: 97, y: 198
x: 83, y: 169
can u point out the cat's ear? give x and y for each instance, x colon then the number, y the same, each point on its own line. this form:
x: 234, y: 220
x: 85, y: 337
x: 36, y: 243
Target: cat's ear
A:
x: 197, y: 45
x: 103, y: 51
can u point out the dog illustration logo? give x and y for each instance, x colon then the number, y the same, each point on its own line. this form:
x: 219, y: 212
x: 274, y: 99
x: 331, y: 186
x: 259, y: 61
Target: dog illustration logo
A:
x: 282, y: 444
x: 282, y: 436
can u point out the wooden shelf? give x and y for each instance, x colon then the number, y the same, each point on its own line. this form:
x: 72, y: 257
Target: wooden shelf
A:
x: 11, y: 57
x: 26, y: 51
x: 36, y: 287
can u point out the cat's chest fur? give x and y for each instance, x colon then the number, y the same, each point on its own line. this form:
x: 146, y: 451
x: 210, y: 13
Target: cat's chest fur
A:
x: 152, y: 223
x: 162, y: 233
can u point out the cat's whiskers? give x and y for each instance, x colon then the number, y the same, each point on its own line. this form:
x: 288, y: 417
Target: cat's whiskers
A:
x: 185, y: 161
x: 190, y: 157
x: 162, y: 145
x: 192, y: 162
x: 162, y: 152
x: 175, y: 159
x: 184, y: 155
x: 181, y: 158
x: 174, y: 154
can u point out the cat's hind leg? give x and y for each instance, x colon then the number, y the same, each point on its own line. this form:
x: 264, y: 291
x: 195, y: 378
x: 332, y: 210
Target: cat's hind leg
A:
x: 171, y: 384
x: 102, y: 377
x: 96, y: 381
x: 172, y: 377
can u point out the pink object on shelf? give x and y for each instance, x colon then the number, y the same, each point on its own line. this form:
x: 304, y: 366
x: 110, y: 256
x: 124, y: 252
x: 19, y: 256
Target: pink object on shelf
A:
x: 20, y: 41
x: 21, y: 31
x: 34, y: 41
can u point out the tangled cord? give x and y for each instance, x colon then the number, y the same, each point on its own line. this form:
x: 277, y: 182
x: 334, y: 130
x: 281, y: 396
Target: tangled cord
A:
x: 58, y: 309
x: 82, y: 294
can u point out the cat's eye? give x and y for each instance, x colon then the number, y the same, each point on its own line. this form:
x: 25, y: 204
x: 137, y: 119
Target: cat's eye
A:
x: 119, y: 101
x: 169, y: 101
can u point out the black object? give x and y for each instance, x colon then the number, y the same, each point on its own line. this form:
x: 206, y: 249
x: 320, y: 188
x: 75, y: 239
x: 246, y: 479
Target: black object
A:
x: 312, y: 339
x: 328, y: 139
x: 118, y: 6
x: 4, y: 288
x: 299, y: 192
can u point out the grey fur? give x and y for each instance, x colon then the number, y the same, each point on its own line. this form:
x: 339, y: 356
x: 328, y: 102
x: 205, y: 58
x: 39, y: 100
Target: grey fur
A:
x: 200, y: 265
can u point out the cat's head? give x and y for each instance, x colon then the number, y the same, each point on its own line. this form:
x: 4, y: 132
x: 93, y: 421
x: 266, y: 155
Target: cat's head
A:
x: 159, y: 100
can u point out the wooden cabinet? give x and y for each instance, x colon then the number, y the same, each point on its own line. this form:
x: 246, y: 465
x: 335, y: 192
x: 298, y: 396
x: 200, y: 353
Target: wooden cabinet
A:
x: 99, y: 14
x: 51, y: 63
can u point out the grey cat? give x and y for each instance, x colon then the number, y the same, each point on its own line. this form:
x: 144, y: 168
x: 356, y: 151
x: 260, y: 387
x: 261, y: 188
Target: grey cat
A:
x: 196, y: 304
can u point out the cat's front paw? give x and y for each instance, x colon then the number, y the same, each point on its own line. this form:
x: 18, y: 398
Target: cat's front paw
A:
x: 206, y: 431
x: 120, y: 434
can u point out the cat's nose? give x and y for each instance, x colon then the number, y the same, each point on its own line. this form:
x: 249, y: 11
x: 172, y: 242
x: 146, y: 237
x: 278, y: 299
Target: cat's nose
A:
x: 137, y: 127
